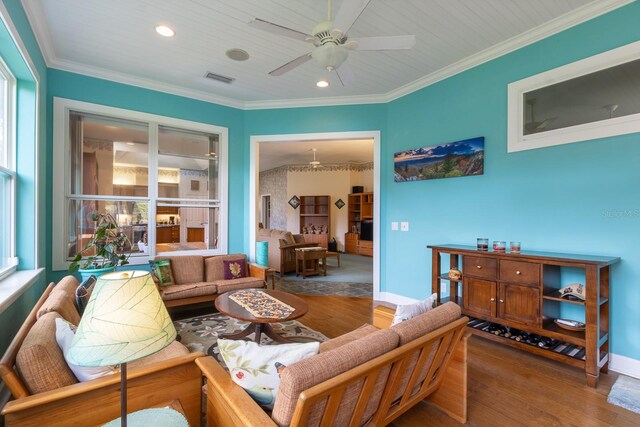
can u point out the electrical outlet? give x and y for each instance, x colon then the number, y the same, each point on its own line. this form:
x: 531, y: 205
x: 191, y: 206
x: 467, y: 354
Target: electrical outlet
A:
x: 404, y: 226
x: 443, y: 287
x: 394, y: 226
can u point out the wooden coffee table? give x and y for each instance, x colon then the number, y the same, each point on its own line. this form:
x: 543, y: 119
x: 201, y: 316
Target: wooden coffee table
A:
x: 260, y: 325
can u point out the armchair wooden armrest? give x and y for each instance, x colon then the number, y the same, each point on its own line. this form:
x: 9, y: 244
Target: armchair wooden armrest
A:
x: 451, y: 397
x: 228, y: 405
x: 97, y: 401
x: 258, y: 271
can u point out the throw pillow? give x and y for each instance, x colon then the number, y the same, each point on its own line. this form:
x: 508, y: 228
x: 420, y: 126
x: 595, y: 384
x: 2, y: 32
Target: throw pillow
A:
x: 64, y: 335
x: 83, y: 293
x: 408, y: 311
x: 234, y: 269
x: 161, y: 269
x: 257, y: 368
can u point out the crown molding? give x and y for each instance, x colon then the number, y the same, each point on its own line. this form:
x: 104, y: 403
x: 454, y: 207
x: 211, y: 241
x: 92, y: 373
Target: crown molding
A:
x: 561, y: 23
x: 128, y: 79
x: 40, y: 30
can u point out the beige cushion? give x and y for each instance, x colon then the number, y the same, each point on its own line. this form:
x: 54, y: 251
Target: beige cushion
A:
x: 314, y: 370
x: 186, y: 268
x: 40, y: 360
x: 362, y: 331
x: 421, y: 325
x: 171, y: 292
x: 242, y: 283
x: 175, y: 349
x: 62, y: 300
x: 298, y: 238
x: 214, y: 266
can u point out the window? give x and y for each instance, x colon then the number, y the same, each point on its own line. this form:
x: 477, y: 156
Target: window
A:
x: 593, y: 98
x: 8, y: 260
x: 162, y: 179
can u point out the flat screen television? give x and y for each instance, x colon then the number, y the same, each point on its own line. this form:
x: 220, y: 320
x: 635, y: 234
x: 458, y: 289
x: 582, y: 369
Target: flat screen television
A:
x: 366, y: 230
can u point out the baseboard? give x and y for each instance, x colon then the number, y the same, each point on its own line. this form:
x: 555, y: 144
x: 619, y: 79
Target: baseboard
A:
x: 394, y: 298
x: 625, y: 365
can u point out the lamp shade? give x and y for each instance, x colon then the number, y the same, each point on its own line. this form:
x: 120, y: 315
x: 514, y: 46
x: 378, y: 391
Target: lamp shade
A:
x: 125, y: 320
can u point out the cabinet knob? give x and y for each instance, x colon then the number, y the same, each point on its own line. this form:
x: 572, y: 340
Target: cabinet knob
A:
x: 518, y: 272
x: 501, y: 301
x: 479, y: 266
x: 493, y: 299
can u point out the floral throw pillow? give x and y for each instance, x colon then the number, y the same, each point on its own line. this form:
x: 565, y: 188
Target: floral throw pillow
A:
x: 256, y: 368
x: 234, y: 269
x: 161, y: 269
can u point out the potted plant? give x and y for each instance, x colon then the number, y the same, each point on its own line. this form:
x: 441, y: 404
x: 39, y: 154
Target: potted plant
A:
x: 105, y: 248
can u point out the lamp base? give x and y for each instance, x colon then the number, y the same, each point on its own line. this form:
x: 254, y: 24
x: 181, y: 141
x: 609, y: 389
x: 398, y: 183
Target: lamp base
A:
x: 123, y: 394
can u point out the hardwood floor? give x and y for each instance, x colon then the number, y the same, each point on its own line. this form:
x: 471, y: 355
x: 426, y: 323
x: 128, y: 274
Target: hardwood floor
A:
x: 506, y: 386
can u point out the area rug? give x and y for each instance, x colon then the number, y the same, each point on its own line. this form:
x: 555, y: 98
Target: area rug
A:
x: 201, y: 333
x: 308, y: 287
x: 626, y: 393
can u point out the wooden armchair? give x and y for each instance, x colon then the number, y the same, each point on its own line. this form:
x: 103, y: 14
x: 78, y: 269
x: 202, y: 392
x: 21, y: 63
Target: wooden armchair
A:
x: 439, y: 354
x: 97, y: 401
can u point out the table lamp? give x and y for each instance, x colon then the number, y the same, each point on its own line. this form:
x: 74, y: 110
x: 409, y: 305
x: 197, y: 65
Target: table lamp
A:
x: 125, y: 320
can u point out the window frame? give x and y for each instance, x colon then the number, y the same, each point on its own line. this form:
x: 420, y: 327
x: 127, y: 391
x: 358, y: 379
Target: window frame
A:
x: 517, y: 141
x: 62, y: 174
x: 9, y: 169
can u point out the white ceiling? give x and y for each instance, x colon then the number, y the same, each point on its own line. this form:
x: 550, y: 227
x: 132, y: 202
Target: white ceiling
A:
x: 337, y: 151
x: 116, y: 40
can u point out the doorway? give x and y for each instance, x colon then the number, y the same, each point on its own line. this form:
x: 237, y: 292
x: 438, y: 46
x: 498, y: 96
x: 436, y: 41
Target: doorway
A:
x: 256, y: 209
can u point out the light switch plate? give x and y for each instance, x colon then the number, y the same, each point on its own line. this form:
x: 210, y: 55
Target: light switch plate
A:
x: 404, y: 226
x: 443, y: 287
x: 394, y: 226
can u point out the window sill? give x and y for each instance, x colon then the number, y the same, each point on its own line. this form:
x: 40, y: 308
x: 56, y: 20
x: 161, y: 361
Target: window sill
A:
x: 15, y: 284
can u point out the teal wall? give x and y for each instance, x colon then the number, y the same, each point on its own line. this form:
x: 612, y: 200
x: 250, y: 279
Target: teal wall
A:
x: 82, y: 88
x: 552, y: 199
x: 30, y: 223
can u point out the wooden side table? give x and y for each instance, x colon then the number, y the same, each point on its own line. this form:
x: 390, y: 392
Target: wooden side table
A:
x: 308, y: 262
x: 334, y: 254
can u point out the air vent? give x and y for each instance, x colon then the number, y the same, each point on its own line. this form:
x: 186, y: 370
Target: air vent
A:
x: 218, y: 77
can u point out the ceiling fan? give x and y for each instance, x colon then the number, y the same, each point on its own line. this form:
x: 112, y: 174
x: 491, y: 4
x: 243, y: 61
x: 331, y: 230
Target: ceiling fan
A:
x: 315, y: 163
x: 332, y: 42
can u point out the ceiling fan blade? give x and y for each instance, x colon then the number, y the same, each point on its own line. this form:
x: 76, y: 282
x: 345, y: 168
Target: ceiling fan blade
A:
x: 349, y: 11
x: 345, y: 74
x: 385, y: 43
x: 291, y: 65
x: 278, y: 29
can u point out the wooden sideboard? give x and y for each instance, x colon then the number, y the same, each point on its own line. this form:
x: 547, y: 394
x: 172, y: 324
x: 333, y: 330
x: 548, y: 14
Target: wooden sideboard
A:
x: 520, y: 291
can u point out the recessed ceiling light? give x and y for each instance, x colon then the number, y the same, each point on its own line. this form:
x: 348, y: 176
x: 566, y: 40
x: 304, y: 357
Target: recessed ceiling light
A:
x: 165, y: 31
x: 322, y: 83
x: 237, y: 54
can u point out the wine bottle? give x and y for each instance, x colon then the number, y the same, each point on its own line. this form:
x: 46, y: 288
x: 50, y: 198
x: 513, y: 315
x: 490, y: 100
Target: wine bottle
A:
x: 547, y: 342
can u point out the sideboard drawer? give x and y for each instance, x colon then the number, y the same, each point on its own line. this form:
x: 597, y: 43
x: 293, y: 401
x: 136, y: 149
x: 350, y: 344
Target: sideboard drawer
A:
x: 519, y: 272
x: 485, y: 268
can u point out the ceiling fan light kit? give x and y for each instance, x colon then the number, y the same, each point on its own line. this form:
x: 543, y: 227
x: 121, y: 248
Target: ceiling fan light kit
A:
x: 331, y: 40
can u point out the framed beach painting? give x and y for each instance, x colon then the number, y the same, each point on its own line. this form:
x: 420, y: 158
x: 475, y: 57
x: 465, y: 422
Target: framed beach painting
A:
x: 461, y: 158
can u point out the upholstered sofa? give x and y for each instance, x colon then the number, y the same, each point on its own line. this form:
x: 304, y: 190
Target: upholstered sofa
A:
x: 282, y: 246
x: 46, y: 392
x: 201, y: 278
x: 369, y: 376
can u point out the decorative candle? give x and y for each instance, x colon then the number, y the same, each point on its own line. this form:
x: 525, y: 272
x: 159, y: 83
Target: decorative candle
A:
x: 483, y: 244
x: 514, y: 247
x: 499, y: 246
